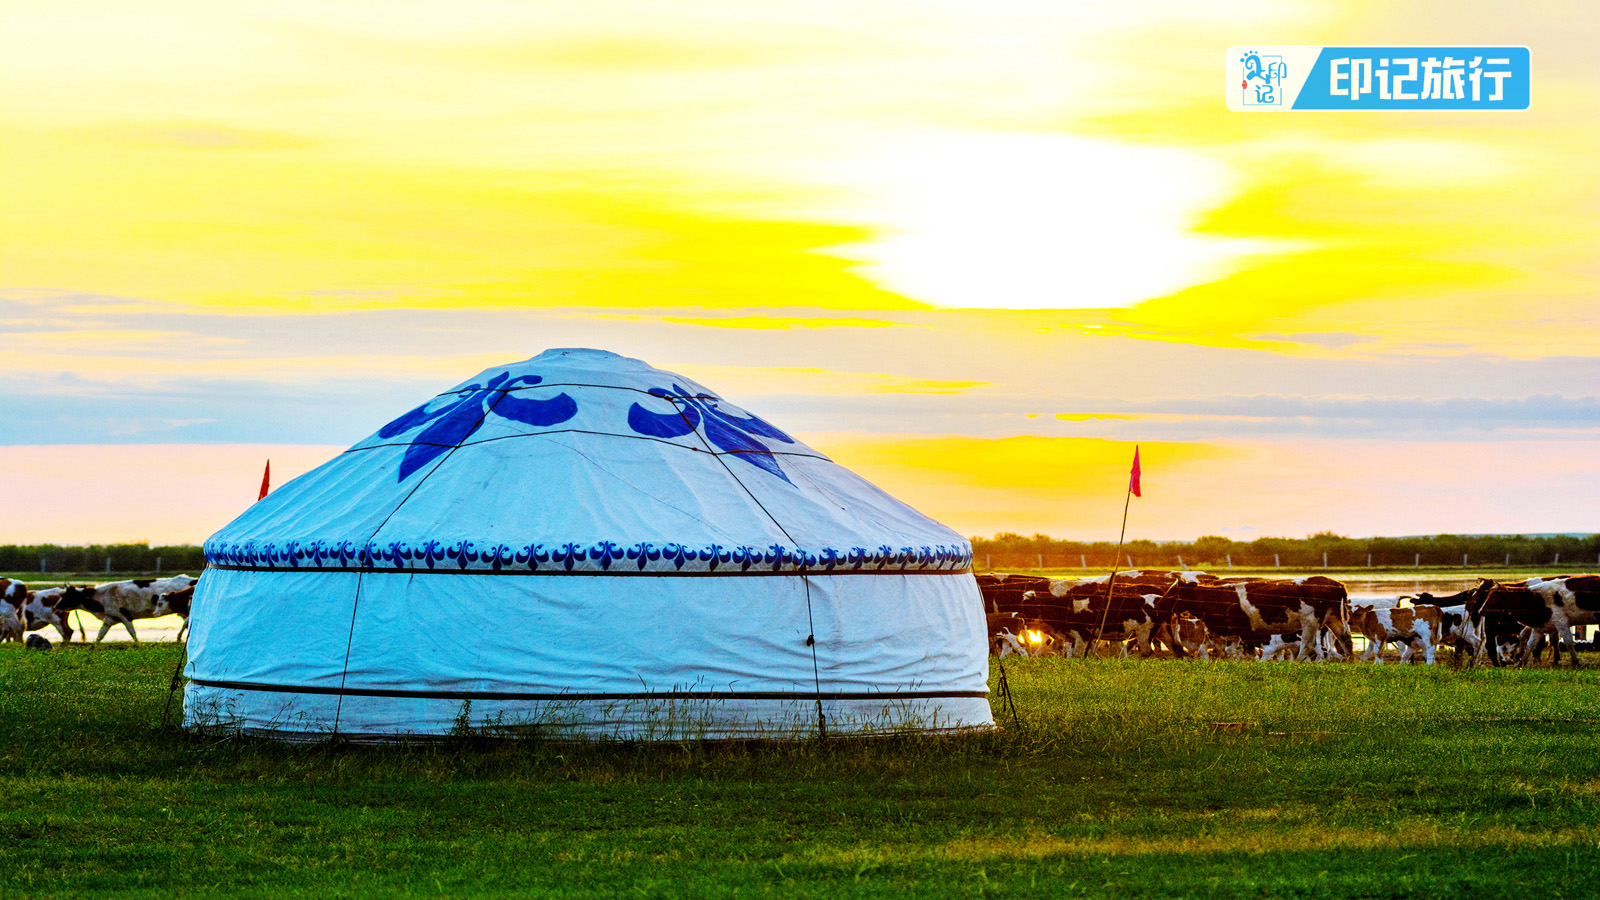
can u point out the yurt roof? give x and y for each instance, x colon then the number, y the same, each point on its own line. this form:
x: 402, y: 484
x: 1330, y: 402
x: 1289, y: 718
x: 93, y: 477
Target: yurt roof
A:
x: 580, y: 461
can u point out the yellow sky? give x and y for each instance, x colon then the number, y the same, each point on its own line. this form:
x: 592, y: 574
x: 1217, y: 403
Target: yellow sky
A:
x: 927, y: 222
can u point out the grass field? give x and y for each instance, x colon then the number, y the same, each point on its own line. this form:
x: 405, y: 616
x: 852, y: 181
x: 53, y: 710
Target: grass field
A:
x: 1328, y: 781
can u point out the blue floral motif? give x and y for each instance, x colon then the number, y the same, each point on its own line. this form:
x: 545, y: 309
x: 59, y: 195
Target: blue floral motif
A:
x: 398, y: 553
x: 431, y: 552
x: 463, y: 552
x: 464, y: 555
x: 464, y: 413
x: 713, y: 556
x: 569, y: 555
x: 644, y: 553
x: 604, y: 553
x: 776, y: 556
x: 533, y: 555
x: 500, y: 557
x: 733, y: 434
x: 746, y: 557
x: 677, y: 553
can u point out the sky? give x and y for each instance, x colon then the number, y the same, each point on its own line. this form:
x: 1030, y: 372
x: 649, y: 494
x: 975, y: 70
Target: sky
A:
x: 974, y: 251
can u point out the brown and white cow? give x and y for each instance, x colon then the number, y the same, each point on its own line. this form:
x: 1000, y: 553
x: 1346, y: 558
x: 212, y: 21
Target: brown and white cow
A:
x: 1280, y: 646
x: 1498, y: 636
x: 1005, y: 634
x: 122, y: 601
x: 1414, y: 626
x: 1549, y: 604
x: 1003, y: 593
x: 1254, y: 609
x: 40, y: 611
x: 1457, y: 629
x: 13, y: 597
x: 1186, y: 635
x: 1121, y: 609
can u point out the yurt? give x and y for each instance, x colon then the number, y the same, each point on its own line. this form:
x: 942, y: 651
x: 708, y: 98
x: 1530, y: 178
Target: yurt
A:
x: 582, y: 545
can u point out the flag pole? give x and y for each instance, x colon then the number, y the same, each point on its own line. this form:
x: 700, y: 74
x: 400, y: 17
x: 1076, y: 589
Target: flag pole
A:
x: 1127, y: 499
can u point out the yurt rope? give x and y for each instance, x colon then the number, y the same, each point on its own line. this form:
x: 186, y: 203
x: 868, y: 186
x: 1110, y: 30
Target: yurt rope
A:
x: 177, y: 680
x: 1005, y: 692
x: 816, y: 673
x: 349, y: 641
x: 811, y: 626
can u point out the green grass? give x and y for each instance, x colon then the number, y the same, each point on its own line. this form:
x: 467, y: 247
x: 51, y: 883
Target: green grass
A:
x: 1339, y: 781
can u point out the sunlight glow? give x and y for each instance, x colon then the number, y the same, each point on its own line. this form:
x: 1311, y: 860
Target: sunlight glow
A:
x: 1039, y: 221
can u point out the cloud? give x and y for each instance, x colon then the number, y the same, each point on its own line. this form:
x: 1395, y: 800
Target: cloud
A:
x: 1457, y: 419
x: 199, y: 136
x: 1074, y: 487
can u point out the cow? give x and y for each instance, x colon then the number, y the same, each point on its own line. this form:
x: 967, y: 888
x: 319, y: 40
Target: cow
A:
x: 10, y: 624
x: 13, y: 597
x: 40, y: 610
x: 1005, y: 633
x: 175, y: 603
x: 1549, y: 603
x: 1457, y: 629
x: 121, y: 601
x: 1415, y: 627
x: 1120, y: 608
x: 1253, y: 609
x: 1497, y: 634
x: 1572, y: 600
x: 1281, y: 646
x: 1186, y: 636
x: 1003, y: 593
x: 1532, y: 645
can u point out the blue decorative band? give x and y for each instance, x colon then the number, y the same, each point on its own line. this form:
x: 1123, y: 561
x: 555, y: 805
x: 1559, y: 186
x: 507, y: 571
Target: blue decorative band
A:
x: 602, y: 557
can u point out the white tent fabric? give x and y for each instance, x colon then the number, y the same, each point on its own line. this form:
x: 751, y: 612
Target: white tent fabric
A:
x: 581, y: 544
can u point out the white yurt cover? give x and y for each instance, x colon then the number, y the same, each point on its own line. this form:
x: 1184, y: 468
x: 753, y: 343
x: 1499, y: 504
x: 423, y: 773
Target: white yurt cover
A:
x: 582, y: 544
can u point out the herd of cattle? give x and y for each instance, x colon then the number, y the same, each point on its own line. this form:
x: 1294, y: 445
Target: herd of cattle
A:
x: 1202, y: 615
x: 22, y: 610
x: 1188, y: 613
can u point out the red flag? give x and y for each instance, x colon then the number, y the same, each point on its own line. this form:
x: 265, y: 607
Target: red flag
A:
x: 1133, y: 477
x: 266, y: 479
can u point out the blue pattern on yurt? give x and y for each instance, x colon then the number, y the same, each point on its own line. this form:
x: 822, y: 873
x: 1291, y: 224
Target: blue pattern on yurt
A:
x: 576, y: 556
x: 735, y: 435
x: 455, y: 421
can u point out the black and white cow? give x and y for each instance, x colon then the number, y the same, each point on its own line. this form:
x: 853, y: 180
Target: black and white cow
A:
x: 176, y: 603
x: 122, y: 601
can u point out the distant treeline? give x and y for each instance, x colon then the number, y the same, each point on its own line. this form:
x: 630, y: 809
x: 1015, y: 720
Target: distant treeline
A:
x: 54, y: 558
x: 1007, y: 550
